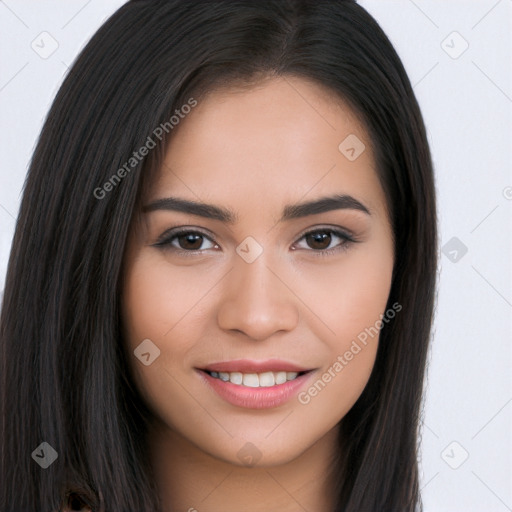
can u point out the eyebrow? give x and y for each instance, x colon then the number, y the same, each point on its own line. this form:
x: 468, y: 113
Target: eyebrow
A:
x: 292, y: 211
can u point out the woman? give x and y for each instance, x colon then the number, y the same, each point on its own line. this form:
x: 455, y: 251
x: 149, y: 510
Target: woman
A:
x: 221, y: 285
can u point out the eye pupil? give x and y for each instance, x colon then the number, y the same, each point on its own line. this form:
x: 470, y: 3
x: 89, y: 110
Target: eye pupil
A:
x: 319, y: 241
x: 319, y: 237
x: 191, y: 239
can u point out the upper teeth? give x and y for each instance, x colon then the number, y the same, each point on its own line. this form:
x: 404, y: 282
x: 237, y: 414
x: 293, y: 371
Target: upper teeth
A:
x: 255, y: 380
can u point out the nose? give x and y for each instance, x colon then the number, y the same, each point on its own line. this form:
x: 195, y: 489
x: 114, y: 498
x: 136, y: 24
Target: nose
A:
x: 257, y: 301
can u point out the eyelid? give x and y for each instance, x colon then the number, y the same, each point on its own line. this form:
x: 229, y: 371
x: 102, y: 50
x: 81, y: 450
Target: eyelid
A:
x: 179, y: 230
x: 334, y: 229
x: 171, y: 233
x: 347, y: 237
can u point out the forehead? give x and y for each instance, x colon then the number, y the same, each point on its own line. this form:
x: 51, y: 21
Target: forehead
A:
x: 282, y: 139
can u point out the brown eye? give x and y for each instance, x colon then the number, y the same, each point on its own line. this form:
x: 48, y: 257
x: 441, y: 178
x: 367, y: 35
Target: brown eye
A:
x: 190, y: 241
x: 326, y: 241
x: 185, y: 241
x: 319, y: 239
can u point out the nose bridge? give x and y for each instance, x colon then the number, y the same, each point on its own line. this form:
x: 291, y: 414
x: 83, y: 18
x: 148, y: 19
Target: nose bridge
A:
x: 255, y: 301
x: 255, y: 281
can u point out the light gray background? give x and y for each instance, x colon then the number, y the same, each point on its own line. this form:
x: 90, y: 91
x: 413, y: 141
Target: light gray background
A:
x: 466, y: 99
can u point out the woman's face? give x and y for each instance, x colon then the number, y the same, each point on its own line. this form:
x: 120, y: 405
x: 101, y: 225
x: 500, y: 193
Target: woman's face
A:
x: 261, y: 284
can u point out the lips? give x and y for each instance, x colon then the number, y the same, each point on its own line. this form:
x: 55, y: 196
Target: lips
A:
x: 255, y: 384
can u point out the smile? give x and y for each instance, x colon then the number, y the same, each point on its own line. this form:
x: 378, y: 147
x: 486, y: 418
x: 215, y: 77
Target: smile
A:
x: 255, y: 384
x: 256, y: 380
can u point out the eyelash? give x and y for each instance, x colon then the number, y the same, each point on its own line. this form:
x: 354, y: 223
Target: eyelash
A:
x: 164, y: 242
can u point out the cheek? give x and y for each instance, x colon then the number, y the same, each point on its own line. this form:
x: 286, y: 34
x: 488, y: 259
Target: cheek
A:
x: 351, y: 306
x: 350, y: 354
x: 155, y: 305
x: 349, y: 295
x: 159, y: 302
x: 162, y: 306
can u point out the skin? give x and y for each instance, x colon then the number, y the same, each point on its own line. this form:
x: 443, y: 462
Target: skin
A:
x: 254, y: 150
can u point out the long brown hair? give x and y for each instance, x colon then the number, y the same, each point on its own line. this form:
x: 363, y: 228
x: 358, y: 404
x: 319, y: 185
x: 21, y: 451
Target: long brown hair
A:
x: 63, y: 370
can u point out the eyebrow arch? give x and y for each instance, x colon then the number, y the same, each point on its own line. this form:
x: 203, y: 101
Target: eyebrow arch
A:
x: 293, y: 211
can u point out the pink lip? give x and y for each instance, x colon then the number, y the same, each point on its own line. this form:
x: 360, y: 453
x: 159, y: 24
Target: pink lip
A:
x: 248, y: 366
x: 255, y: 398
